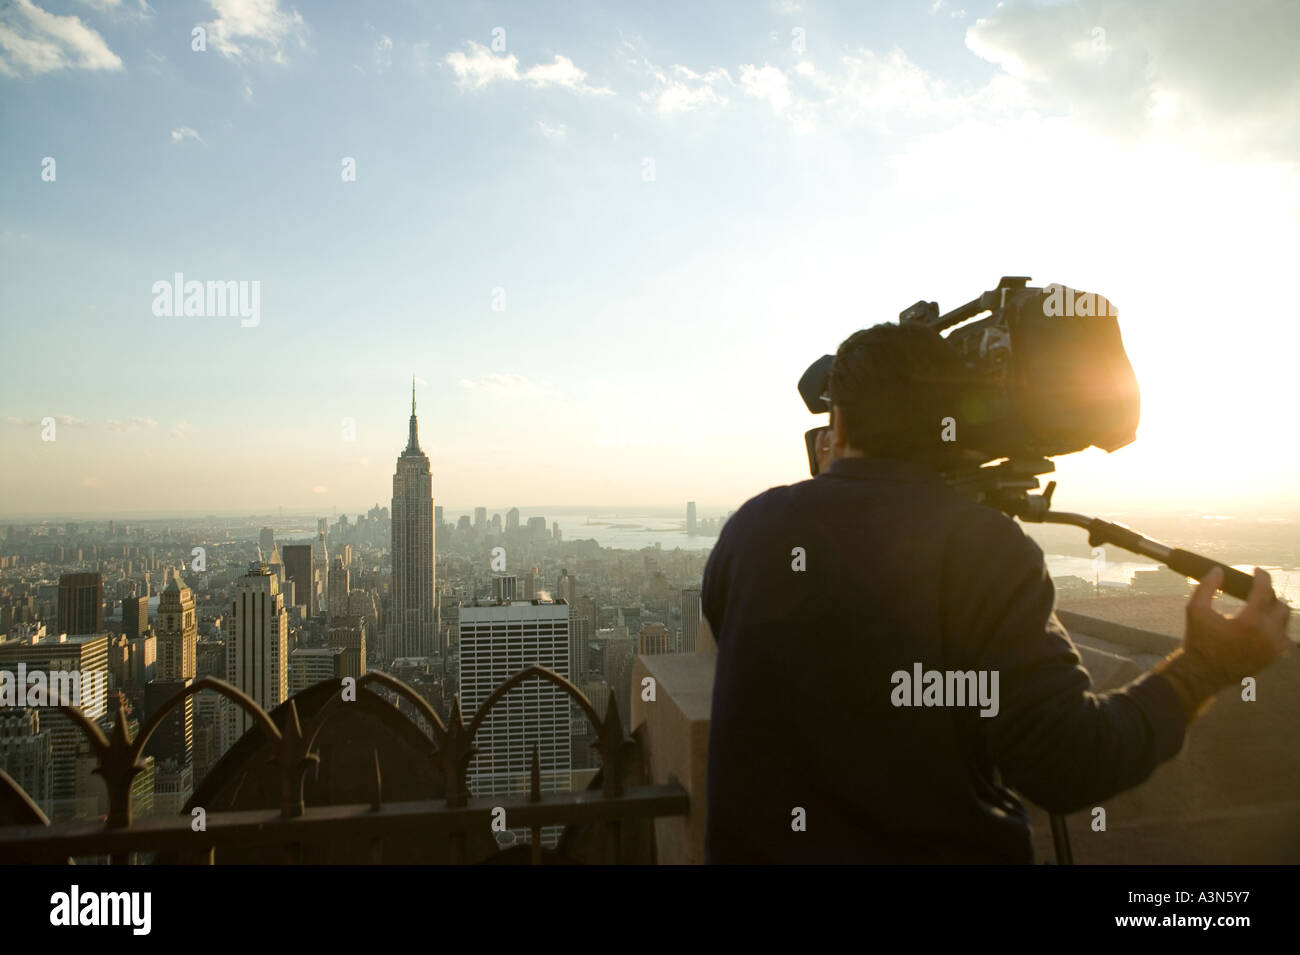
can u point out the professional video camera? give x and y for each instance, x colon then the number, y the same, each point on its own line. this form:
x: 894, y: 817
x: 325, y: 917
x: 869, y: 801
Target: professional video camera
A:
x: 1043, y: 374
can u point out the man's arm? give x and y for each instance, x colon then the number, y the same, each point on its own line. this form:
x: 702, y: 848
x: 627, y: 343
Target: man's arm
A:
x: 704, y: 641
x: 1057, y: 742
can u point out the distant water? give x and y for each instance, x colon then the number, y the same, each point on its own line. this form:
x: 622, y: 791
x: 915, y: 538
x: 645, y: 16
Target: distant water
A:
x: 633, y: 532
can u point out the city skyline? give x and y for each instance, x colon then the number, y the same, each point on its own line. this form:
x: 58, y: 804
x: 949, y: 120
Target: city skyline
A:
x: 642, y: 214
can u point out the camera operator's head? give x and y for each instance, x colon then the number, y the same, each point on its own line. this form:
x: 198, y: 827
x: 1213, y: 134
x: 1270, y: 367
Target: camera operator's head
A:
x: 890, y: 386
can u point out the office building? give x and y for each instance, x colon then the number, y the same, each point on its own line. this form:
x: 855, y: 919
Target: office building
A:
x: 87, y: 655
x: 505, y: 587
x: 81, y: 604
x: 177, y: 631
x: 135, y: 617
x: 690, y: 518
x: 297, y: 568
x: 690, y: 619
x: 340, y: 586
x: 27, y: 754
x: 653, y: 639
x: 414, y: 623
x: 174, y: 737
x: 348, y: 633
x: 566, y: 588
x: 320, y: 568
x: 496, y: 642
x: 311, y: 665
x: 257, y: 658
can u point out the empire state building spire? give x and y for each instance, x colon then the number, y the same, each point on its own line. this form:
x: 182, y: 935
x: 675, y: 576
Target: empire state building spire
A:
x: 413, y: 442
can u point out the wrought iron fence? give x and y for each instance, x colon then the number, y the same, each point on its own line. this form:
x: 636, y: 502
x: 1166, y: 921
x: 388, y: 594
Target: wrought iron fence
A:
x: 611, y: 825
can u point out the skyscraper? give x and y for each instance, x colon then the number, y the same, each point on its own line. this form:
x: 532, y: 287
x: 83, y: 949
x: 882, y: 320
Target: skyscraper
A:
x: 653, y: 639
x: 512, y: 520
x: 480, y: 520
x: 297, y: 567
x: 566, y: 586
x: 414, y: 627
x: 320, y: 569
x: 505, y: 587
x: 340, y: 585
x: 496, y: 642
x: 135, y: 616
x: 266, y: 540
x: 177, y: 632
x: 81, y: 603
x: 690, y: 518
x: 257, y: 657
x: 349, y: 634
x: 86, y: 655
x: 690, y: 619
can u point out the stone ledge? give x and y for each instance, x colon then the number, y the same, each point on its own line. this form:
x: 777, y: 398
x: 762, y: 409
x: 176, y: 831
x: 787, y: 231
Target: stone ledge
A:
x: 676, y: 728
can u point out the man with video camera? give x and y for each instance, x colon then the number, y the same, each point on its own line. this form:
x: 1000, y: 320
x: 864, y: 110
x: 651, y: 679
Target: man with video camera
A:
x: 828, y: 597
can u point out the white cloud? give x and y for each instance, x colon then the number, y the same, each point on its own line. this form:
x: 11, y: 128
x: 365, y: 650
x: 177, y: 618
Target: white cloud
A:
x: 182, y: 429
x: 481, y: 66
x: 767, y: 83
x: 182, y: 133
x: 63, y: 420
x: 563, y: 73
x: 552, y: 133
x: 138, y: 11
x: 34, y: 41
x: 384, y: 51
x: 682, y: 90
x: 256, y: 29
x: 770, y: 84
x: 130, y: 425
x: 1176, y: 67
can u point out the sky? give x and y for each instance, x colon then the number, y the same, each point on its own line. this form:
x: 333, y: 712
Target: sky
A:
x: 606, y: 239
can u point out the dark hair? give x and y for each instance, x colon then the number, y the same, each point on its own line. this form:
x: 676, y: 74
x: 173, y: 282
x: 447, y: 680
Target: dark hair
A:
x: 893, y: 385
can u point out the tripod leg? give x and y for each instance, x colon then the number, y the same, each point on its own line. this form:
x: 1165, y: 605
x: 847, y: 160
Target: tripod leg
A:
x: 1061, y: 840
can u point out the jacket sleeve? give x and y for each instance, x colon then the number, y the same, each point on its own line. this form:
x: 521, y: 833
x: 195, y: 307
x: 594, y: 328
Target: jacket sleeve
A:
x: 1054, y: 740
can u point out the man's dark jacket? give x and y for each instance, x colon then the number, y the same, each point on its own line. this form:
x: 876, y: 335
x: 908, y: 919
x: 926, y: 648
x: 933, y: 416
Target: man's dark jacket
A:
x: 899, y: 570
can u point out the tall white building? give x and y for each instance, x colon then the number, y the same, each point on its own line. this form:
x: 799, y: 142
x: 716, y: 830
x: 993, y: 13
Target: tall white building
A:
x: 320, y: 569
x: 83, y: 655
x: 257, y: 656
x: 496, y: 642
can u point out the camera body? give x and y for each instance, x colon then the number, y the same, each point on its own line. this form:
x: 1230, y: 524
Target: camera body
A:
x: 1043, y: 373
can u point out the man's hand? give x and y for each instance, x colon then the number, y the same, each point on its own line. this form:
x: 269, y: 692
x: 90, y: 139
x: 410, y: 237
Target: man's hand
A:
x: 1219, y: 651
x: 1243, y: 644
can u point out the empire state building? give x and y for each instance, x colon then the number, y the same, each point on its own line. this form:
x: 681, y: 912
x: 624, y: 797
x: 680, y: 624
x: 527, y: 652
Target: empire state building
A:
x: 413, y: 631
